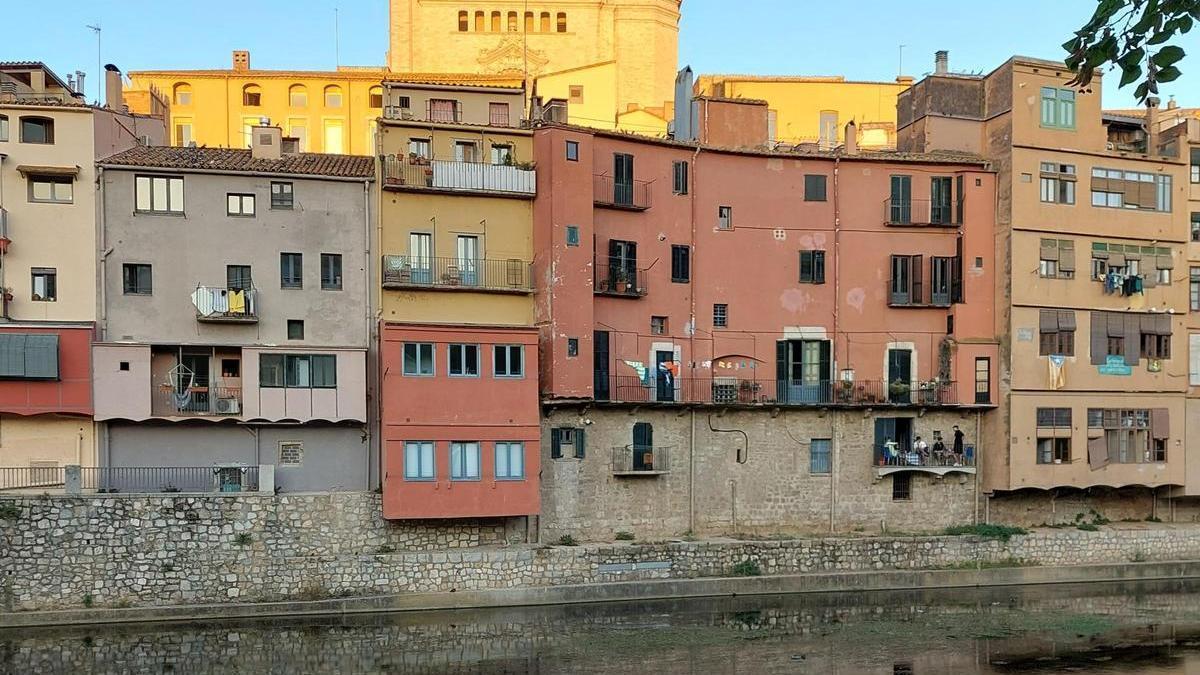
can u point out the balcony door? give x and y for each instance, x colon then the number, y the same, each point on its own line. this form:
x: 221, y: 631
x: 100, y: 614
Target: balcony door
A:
x: 665, y: 381
x: 237, y: 278
x: 643, y: 446
x: 622, y: 262
x: 468, y: 259
x: 900, y: 204
x: 940, y: 212
x: 901, y: 280
x: 899, y: 375
x: 420, y: 257
x: 622, y: 179
x: 941, y: 274
x: 600, y: 364
x: 191, y: 382
x: 466, y: 151
x: 804, y: 370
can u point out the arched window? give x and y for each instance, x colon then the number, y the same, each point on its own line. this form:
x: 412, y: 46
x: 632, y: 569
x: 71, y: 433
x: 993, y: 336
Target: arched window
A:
x: 251, y: 96
x: 333, y: 96
x: 512, y: 22
x: 545, y: 22
x: 479, y: 26
x: 298, y: 96
x: 375, y: 97
x: 562, y: 22
x: 37, y: 130
x: 528, y: 22
x: 183, y: 94
x: 462, y: 22
x: 495, y: 22
x: 3, y: 128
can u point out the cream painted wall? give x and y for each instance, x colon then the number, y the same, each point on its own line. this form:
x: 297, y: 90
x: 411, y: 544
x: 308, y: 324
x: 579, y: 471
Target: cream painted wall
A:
x: 46, y: 438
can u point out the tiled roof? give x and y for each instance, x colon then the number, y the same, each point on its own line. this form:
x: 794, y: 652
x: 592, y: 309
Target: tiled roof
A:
x: 241, y: 161
x: 66, y: 102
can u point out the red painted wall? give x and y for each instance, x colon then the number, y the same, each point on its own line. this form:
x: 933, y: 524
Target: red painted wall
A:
x: 443, y: 409
x: 71, y: 393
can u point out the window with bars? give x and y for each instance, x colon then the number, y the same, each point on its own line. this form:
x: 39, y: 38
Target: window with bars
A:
x: 720, y: 315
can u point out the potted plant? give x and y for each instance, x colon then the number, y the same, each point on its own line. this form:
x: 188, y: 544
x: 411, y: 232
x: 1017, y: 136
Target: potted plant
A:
x: 845, y: 391
x: 899, y: 389
x: 621, y: 281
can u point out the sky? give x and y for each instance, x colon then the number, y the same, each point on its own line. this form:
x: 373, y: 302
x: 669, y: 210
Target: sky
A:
x: 773, y: 37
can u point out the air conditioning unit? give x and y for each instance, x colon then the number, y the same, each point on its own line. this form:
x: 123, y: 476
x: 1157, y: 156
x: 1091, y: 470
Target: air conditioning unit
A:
x: 228, y: 406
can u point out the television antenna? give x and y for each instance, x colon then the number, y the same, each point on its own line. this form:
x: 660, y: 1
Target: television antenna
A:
x: 95, y: 28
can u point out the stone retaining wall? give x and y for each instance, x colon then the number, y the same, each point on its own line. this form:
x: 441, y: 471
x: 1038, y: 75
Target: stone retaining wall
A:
x: 75, y: 552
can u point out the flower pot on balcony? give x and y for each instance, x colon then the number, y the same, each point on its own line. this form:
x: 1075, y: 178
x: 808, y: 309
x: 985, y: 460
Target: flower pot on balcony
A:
x: 622, y: 286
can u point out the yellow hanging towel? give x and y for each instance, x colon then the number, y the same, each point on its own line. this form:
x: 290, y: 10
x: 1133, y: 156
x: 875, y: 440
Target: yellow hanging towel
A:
x: 237, y: 302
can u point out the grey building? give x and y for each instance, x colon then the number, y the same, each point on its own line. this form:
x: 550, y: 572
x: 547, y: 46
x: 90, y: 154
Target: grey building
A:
x: 235, y: 311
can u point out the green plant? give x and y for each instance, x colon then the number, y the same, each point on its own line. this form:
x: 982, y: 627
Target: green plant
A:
x: 1098, y: 519
x: 385, y: 549
x: 567, y: 540
x: 9, y: 512
x: 88, y: 600
x: 986, y: 564
x: 1153, y: 519
x: 243, y: 539
x: 1128, y: 34
x: 1087, y: 527
x: 689, y: 536
x: 1137, y: 557
x: 746, y: 568
x: 1001, y: 532
x: 624, y: 536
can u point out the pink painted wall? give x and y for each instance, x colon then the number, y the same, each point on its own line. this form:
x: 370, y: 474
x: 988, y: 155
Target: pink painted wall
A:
x: 444, y: 409
x: 70, y: 393
x: 347, y: 402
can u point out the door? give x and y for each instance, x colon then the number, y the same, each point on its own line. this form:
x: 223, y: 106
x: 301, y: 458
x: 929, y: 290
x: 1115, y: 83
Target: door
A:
x: 939, y: 201
x: 466, y: 151
x: 643, y: 446
x: 622, y: 179
x: 901, y: 280
x: 192, y: 389
x: 893, y: 441
x: 804, y: 371
x: 237, y: 278
x: 665, y: 388
x: 940, y: 275
x: 622, y: 265
x: 900, y: 206
x: 600, y: 365
x: 829, y: 129
x: 468, y: 259
x: 899, y: 375
x: 420, y: 257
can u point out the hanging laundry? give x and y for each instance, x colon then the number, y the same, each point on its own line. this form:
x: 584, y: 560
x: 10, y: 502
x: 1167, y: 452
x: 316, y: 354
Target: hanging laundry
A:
x: 237, y: 302
x: 220, y: 300
x: 643, y: 373
x: 1112, y: 282
x: 1058, y: 378
x: 1139, y: 285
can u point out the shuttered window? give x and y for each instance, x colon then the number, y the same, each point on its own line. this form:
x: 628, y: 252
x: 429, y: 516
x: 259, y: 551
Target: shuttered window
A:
x: 28, y: 356
x: 1057, y: 332
x: 812, y: 267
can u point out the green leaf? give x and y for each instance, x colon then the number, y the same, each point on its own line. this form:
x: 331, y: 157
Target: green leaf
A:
x: 1130, y: 74
x: 1168, y: 55
x: 1168, y: 74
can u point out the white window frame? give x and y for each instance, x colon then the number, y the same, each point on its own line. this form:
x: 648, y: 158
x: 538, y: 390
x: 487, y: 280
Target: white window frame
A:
x: 240, y: 205
x: 509, y: 350
x: 461, y: 366
x: 420, y: 347
x: 158, y: 194
x: 54, y: 182
x: 419, y: 461
x: 510, y: 450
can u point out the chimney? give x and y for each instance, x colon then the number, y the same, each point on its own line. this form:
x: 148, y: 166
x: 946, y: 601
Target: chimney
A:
x: 1172, y: 103
x: 112, y: 88
x: 79, y: 75
x: 941, y: 62
x: 37, y: 81
x: 266, y: 142
x: 241, y: 60
x: 683, y: 124
x: 850, y: 147
x: 1152, y: 125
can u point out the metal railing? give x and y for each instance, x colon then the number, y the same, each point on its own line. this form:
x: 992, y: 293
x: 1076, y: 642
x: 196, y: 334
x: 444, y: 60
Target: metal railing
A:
x: 659, y: 388
x: 513, y: 275
x: 31, y: 477
x: 115, y: 479
x: 927, y: 296
x: 197, y: 401
x: 632, y: 460
x: 459, y: 176
x: 223, y: 304
x: 922, y: 212
x: 618, y: 279
x: 902, y: 453
x: 621, y: 195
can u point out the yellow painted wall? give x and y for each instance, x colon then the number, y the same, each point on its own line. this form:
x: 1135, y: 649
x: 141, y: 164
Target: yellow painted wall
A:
x: 218, y: 117
x: 798, y: 103
x: 46, y: 438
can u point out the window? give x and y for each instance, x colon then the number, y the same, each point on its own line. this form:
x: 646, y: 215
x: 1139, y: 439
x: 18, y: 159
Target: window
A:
x: 464, y: 460
x: 291, y: 270
x: 814, y: 188
x: 512, y: 22
x: 282, y: 196
x: 495, y: 22
x: 1054, y: 418
x: 418, y: 359
x: 331, y: 271
x: 901, y: 487
x: 463, y: 22
x: 681, y: 263
x: 681, y: 178
x: 183, y: 133
x: 28, y: 356
x: 1194, y: 288
x: 1196, y: 227
x: 572, y: 151
x: 1128, y: 437
x: 508, y: 361
x: 544, y: 22
x: 1057, y: 332
x: 820, y: 451
x: 52, y: 189
x: 1114, y: 188
x: 295, y: 329
x: 1057, y: 259
x: 1156, y: 346
x: 529, y: 22
x: 567, y: 441
x: 136, y: 279
x: 158, y: 194
x: 291, y: 453
x: 237, y: 278
x: 562, y: 22
x: 240, y: 205
x: 1058, y: 108
x: 123, y: 366
x: 720, y: 316
x: 724, y: 217
x: 229, y: 368
x: 45, y: 284
x: 418, y: 460
x: 298, y: 129
x: 1054, y: 450
x: 3, y: 128
x: 812, y: 267
x: 466, y: 151
x: 333, y: 96
x: 419, y: 148
x: 37, y: 130
x: 498, y: 115
x: 502, y: 154
x: 183, y: 94
x: 464, y: 361
x: 298, y: 96
x: 572, y: 347
x: 1195, y: 167
x: 510, y: 461
x: 1058, y: 183
x: 297, y: 371
x: 251, y: 96
x: 983, y: 380
x: 479, y: 22
x: 658, y: 325
x: 572, y: 235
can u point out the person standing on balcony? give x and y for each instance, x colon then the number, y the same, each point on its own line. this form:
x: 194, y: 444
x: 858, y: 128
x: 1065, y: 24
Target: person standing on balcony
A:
x: 958, y: 445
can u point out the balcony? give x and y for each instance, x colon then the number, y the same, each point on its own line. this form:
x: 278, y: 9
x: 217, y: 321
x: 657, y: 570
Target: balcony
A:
x: 402, y: 272
x: 218, y: 304
x: 610, y: 194
x: 921, y: 213
x: 641, y: 460
x: 197, y: 400
x: 662, y: 389
x: 474, y: 178
x: 918, y: 296
x: 620, y: 280
x: 899, y: 457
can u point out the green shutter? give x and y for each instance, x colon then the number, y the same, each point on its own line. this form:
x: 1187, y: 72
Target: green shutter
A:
x: 41, y: 357
x: 12, y: 355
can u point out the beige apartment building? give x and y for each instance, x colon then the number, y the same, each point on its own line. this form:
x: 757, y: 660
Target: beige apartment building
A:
x: 1092, y: 238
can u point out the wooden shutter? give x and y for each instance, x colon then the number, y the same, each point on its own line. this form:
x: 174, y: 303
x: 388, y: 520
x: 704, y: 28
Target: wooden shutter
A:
x: 1066, y: 320
x: 1133, y: 339
x: 1147, y: 194
x: 1099, y: 346
x: 825, y: 362
x: 1066, y: 260
x: 580, y: 443
x: 555, y: 443
x: 1048, y: 321
x: 1116, y: 259
x: 1160, y: 423
x: 1098, y: 452
x: 1164, y: 262
x: 916, y: 275
x: 1048, y: 253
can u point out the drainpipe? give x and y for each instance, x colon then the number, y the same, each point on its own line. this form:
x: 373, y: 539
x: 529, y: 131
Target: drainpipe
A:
x: 372, y: 348
x: 978, y: 464
x: 837, y: 265
x: 833, y: 469
x: 692, y: 343
x: 692, y: 474
x: 102, y: 267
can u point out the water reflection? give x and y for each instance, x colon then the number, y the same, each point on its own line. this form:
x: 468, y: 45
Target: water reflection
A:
x: 1149, y: 627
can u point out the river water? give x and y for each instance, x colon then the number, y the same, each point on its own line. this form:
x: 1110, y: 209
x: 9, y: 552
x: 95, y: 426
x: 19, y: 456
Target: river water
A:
x: 1147, y: 627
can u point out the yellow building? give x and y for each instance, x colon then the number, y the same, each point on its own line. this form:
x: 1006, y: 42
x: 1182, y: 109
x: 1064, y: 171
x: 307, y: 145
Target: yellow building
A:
x: 815, y: 110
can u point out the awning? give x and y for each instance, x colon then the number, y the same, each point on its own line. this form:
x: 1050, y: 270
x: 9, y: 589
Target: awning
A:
x: 34, y: 170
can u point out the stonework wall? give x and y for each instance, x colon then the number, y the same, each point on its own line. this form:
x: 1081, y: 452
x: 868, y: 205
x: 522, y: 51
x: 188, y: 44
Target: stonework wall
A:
x: 773, y: 492
x: 1031, y: 508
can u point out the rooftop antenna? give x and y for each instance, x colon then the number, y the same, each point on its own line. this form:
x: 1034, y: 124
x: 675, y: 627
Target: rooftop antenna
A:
x: 95, y: 28
x: 337, y: 39
x: 901, y: 73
